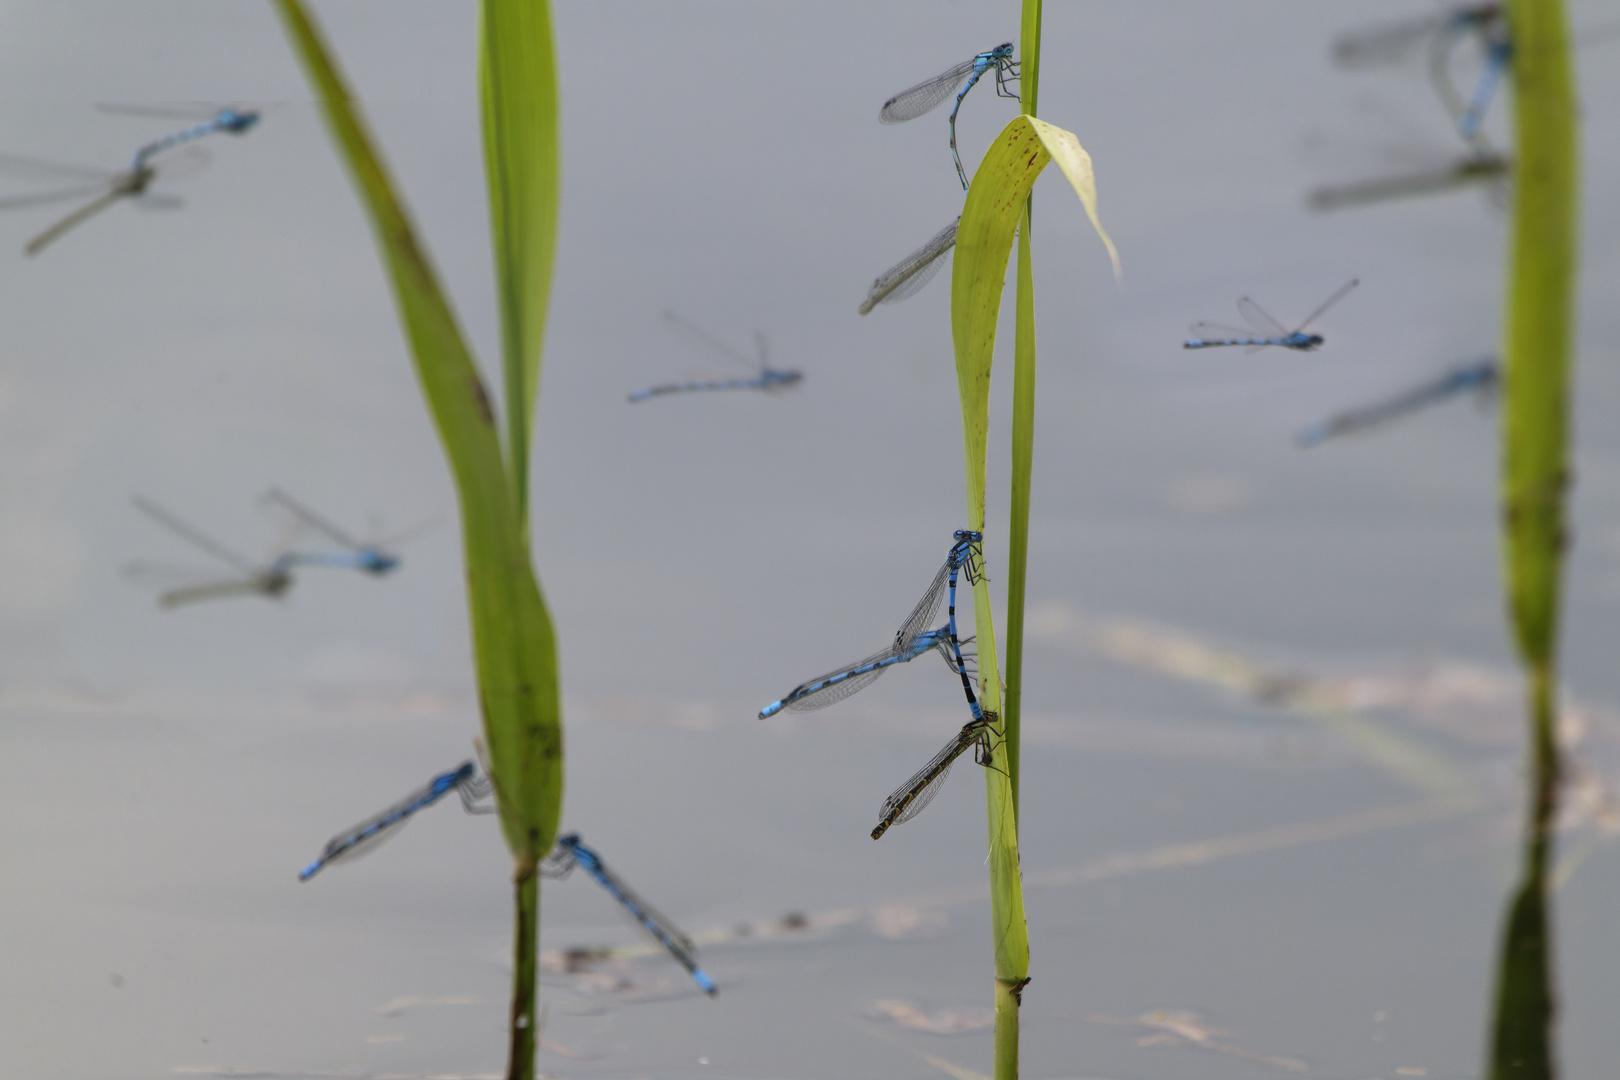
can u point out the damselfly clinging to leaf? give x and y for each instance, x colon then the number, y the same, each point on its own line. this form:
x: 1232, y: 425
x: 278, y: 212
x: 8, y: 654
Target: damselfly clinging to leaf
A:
x: 765, y: 378
x: 913, y: 639
x: 1264, y: 329
x: 931, y: 93
x: 571, y: 851
x: 352, y: 843
x: 1482, y: 377
x: 909, y: 799
x: 271, y: 578
x: 909, y: 275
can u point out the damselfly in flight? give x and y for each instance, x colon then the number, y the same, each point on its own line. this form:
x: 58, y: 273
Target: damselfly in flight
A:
x: 1264, y: 329
x: 267, y: 579
x: 209, y: 121
x: 767, y: 378
x: 352, y: 843
x: 1482, y: 377
x: 910, y: 798
x: 571, y: 851
x: 909, y: 275
x: 372, y: 557
x: 913, y: 639
x: 931, y: 93
x: 101, y: 187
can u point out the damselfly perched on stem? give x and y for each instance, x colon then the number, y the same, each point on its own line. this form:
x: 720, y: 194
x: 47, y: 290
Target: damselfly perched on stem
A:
x: 910, y: 798
x: 909, y: 275
x: 912, y: 640
x: 929, y: 94
x: 571, y: 851
x: 364, y: 837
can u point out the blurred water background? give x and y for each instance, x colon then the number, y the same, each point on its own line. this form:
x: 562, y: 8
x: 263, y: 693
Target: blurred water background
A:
x: 1219, y: 885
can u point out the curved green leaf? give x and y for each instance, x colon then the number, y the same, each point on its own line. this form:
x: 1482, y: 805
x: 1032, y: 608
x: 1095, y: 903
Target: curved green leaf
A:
x: 514, y: 646
x: 995, y: 203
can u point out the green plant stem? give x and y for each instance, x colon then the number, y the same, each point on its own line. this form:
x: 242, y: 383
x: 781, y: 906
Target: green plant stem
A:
x: 1522, y: 1043
x: 525, y: 963
x: 1535, y: 476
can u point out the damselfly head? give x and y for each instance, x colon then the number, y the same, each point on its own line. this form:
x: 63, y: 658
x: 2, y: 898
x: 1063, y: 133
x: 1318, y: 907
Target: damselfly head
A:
x: 376, y: 561
x: 1004, y: 51
x: 236, y: 122
x: 969, y: 535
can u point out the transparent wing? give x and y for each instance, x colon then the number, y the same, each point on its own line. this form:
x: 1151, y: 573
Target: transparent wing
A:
x: 175, y: 164
x: 921, y: 619
x: 801, y: 700
x: 158, y: 201
x: 411, y: 532
x: 907, y: 277
x: 1219, y: 332
x: 926, y: 96
x: 1264, y: 325
x: 42, y: 170
x: 364, y: 837
x: 558, y: 863
x: 311, y: 518
x: 668, y: 934
x: 1343, y: 291
x: 63, y: 195
x: 910, y: 798
x: 183, y: 111
x: 1385, y: 43
x: 693, y: 330
x: 192, y: 535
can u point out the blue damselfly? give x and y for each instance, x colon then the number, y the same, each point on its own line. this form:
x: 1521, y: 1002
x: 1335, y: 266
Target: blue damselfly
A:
x: 1443, y: 32
x: 1482, y: 377
x: 372, y: 557
x: 570, y: 851
x: 271, y: 578
x: 912, y: 640
x: 351, y: 843
x: 1269, y: 330
x: 909, y: 275
x: 765, y: 378
x: 930, y: 94
x: 910, y: 798
x: 210, y: 120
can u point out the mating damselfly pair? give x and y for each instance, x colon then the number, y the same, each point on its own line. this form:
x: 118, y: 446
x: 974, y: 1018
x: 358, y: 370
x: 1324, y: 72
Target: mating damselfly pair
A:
x: 913, y: 639
x: 475, y: 792
x: 909, y: 275
x: 273, y: 576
